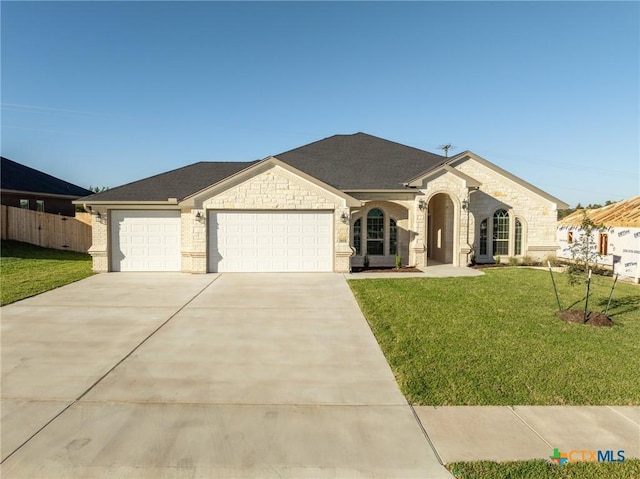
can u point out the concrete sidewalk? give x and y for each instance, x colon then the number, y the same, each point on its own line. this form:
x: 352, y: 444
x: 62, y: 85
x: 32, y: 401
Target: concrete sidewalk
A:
x: 435, y: 271
x: 511, y: 433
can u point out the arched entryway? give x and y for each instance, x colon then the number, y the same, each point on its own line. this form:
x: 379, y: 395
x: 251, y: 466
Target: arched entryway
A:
x: 440, y: 229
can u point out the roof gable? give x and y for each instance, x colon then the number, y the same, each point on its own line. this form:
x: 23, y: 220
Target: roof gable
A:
x: 468, y: 181
x: 519, y: 181
x: 255, y: 169
x: 18, y: 177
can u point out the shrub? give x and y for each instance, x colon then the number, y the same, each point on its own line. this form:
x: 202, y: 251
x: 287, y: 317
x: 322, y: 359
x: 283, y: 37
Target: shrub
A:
x: 513, y: 261
x: 398, y: 261
x: 366, y: 260
x: 528, y: 261
x: 551, y: 258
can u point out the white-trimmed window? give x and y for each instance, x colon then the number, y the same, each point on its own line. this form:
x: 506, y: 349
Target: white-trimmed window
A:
x: 483, y: 237
x: 507, y: 233
x: 357, y: 236
x: 375, y: 232
x: 517, y: 250
x: 393, y: 237
x: 501, y: 233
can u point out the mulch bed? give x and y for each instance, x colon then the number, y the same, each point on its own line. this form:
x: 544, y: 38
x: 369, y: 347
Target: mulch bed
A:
x: 593, y: 318
x: 405, y: 269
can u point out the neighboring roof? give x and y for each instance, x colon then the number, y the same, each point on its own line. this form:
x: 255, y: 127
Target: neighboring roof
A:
x: 624, y: 213
x: 361, y: 161
x: 17, y: 177
x: 177, y: 184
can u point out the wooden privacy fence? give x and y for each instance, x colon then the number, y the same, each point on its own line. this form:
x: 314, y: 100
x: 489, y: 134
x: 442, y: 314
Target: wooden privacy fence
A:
x: 44, y: 229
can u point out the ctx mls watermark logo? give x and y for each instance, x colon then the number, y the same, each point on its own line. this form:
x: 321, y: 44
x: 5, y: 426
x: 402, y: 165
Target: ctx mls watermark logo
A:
x: 578, y: 455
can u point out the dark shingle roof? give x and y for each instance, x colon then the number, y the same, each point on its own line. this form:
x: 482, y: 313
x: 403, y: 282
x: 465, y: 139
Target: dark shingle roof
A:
x: 23, y: 178
x: 357, y: 161
x: 178, y: 183
x: 361, y: 161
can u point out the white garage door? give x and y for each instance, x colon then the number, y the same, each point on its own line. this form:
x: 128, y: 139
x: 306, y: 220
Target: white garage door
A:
x: 263, y: 241
x: 145, y: 240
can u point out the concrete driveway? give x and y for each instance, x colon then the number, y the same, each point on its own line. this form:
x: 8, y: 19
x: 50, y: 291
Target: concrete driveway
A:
x: 174, y: 375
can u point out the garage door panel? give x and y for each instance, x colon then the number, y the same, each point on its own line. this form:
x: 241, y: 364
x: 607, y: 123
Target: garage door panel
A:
x: 145, y: 240
x: 270, y: 241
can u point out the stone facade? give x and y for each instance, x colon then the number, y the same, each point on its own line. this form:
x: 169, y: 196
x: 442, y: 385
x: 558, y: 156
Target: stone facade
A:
x: 99, y: 250
x: 438, y: 219
x: 194, y: 240
x: 279, y: 189
x: 393, y: 206
x: 537, y: 215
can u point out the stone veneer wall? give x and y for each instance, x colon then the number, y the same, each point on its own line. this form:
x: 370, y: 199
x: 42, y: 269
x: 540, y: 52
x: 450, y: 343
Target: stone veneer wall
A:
x: 279, y: 189
x: 274, y: 189
x: 193, y: 240
x: 100, y: 242
x: 448, y: 184
x: 539, y: 216
x: 402, y: 206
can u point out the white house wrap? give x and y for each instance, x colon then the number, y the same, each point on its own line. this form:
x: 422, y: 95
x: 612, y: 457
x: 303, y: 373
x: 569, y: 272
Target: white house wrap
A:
x: 618, y: 243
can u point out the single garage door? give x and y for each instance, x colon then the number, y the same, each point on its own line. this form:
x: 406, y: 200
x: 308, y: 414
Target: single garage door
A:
x: 145, y: 240
x: 264, y: 241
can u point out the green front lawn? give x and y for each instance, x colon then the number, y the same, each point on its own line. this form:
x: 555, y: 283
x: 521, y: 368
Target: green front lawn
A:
x: 27, y: 270
x: 495, y: 339
x: 629, y: 469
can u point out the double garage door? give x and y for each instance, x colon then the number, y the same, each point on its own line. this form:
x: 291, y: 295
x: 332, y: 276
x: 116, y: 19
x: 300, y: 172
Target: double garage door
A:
x: 239, y: 241
x: 264, y: 241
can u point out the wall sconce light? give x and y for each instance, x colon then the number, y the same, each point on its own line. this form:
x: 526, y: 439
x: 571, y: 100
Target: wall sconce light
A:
x: 200, y: 217
x: 344, y: 217
x: 100, y: 218
x: 422, y: 204
x: 465, y: 204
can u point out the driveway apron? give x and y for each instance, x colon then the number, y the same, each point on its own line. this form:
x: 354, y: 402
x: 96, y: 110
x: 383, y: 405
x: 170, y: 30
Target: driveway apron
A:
x: 233, y: 375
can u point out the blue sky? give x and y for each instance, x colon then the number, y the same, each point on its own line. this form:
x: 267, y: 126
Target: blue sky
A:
x: 104, y: 93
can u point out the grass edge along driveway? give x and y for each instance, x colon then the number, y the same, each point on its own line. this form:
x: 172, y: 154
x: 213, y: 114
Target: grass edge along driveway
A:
x: 536, y: 469
x: 27, y: 270
x: 495, y: 339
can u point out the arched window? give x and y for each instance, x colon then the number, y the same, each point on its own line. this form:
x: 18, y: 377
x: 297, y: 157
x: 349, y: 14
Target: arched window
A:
x: 357, y: 236
x: 483, y: 237
x: 518, y: 238
x: 501, y: 233
x: 393, y: 237
x: 375, y: 232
